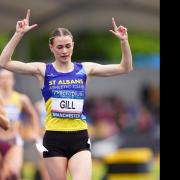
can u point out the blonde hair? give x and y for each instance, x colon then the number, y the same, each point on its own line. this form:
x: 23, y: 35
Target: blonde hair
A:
x: 59, y: 32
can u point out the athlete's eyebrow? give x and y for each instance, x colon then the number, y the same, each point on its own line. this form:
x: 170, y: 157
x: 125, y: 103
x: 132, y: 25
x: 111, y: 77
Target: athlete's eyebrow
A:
x: 68, y: 44
x: 64, y: 44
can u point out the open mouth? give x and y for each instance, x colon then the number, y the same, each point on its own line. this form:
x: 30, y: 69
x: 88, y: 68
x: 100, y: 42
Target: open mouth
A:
x: 64, y: 56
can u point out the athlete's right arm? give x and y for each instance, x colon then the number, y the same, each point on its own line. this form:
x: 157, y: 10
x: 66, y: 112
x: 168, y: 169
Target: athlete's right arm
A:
x: 6, y: 62
x: 4, y: 122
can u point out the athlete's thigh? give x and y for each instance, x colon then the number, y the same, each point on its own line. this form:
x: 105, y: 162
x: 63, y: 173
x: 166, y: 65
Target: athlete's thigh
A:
x: 56, y: 167
x: 80, y: 166
x: 14, y: 158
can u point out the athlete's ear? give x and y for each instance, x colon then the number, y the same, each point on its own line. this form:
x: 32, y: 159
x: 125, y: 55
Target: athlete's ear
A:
x: 51, y: 47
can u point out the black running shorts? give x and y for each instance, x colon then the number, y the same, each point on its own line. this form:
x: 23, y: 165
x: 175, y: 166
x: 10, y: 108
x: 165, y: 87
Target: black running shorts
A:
x: 65, y: 144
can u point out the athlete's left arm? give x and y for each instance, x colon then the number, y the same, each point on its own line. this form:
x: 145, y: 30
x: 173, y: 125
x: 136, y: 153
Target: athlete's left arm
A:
x: 94, y: 69
x: 30, y: 111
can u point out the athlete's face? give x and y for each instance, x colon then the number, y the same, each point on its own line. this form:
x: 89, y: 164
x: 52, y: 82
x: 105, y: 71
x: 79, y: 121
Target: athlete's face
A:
x: 62, y: 48
x: 6, y: 80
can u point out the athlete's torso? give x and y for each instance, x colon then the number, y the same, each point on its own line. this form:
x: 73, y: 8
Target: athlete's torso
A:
x: 64, y: 94
x: 13, y: 108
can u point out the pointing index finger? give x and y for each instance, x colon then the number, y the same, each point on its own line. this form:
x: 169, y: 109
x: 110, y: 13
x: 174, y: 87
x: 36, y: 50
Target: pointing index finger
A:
x: 28, y: 14
x: 114, y: 23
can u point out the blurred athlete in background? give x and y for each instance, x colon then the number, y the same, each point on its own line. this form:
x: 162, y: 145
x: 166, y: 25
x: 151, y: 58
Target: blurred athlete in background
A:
x: 11, y: 143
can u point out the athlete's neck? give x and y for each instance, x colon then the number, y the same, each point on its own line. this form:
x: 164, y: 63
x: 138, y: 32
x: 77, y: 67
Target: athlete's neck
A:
x: 63, y: 67
x: 6, y: 93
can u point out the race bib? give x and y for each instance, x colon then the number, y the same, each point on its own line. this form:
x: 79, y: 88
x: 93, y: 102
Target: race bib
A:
x: 67, y: 108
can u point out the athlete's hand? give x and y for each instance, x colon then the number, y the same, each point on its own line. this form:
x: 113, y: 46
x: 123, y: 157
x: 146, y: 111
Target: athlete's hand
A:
x: 23, y: 26
x: 120, y: 32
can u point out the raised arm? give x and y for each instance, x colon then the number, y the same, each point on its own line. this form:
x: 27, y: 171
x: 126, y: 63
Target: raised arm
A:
x: 125, y: 66
x: 6, y: 62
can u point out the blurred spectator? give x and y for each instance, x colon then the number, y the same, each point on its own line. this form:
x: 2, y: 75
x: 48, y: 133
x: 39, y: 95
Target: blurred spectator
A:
x: 102, y: 115
x: 145, y: 120
x: 150, y: 98
x: 110, y: 115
